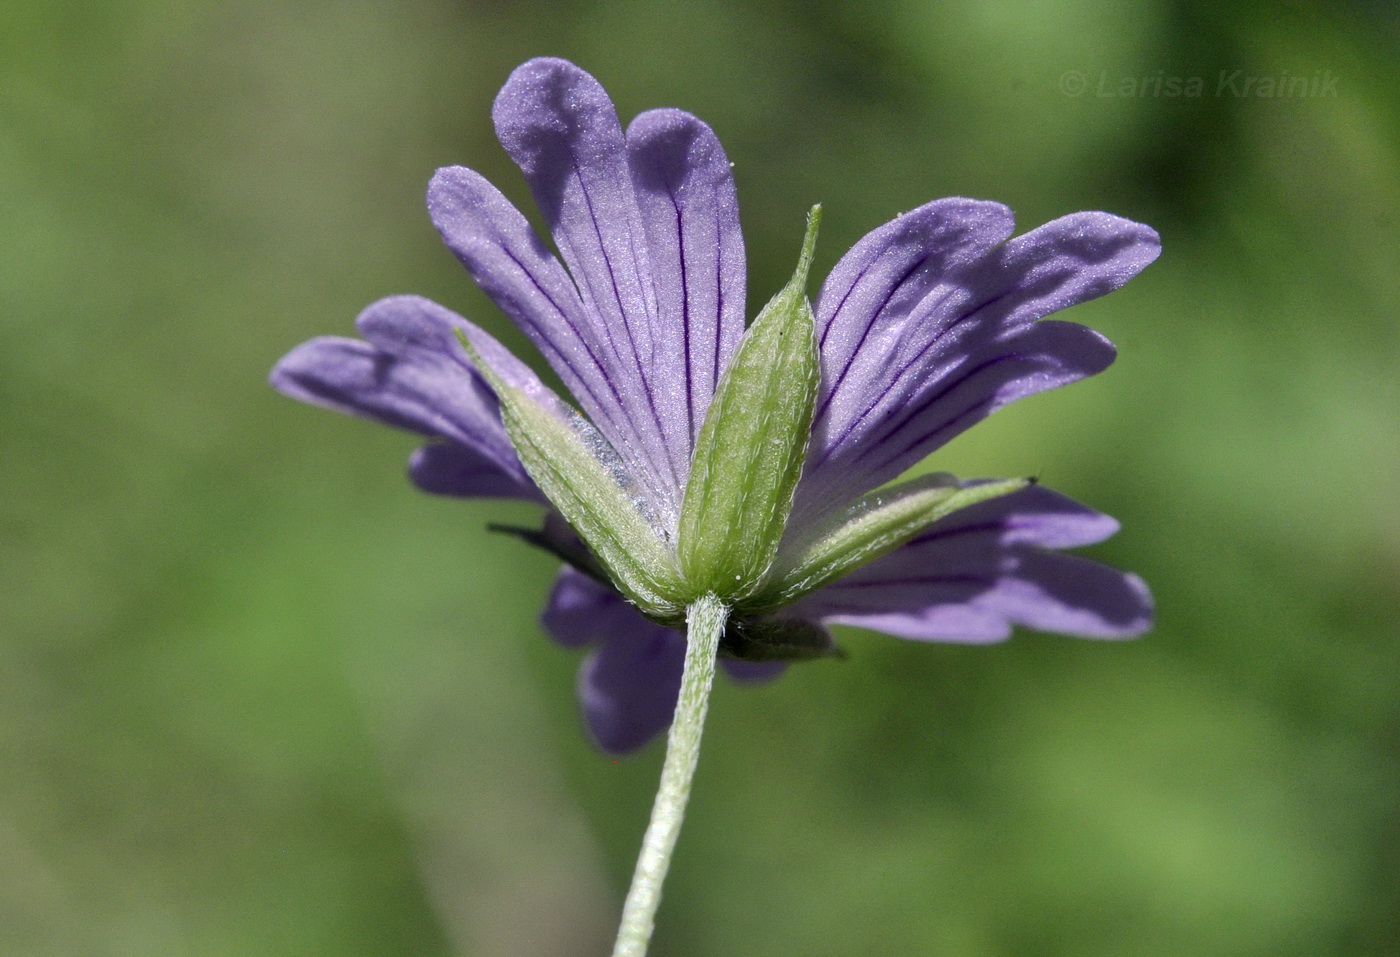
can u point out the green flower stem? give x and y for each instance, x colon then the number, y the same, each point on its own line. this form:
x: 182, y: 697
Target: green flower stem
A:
x: 705, y: 620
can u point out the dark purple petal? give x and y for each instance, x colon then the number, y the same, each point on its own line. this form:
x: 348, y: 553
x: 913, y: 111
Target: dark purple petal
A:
x: 628, y: 686
x: 581, y: 610
x: 929, y: 369
x: 752, y: 672
x: 413, y: 374
x: 559, y: 126
x: 975, y: 574
x: 690, y: 212
x: 446, y: 468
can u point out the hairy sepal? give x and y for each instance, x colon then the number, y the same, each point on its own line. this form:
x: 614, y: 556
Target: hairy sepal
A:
x: 872, y: 527
x: 589, y: 498
x: 749, y: 455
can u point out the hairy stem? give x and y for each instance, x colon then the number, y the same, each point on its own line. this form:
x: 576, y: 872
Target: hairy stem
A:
x: 704, y: 623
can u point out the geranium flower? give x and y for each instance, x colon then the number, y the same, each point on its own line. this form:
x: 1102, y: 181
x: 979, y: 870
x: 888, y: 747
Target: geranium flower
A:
x: 929, y: 324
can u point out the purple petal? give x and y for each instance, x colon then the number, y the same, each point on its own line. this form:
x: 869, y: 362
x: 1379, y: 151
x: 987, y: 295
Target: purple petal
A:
x: 628, y: 686
x: 350, y: 376
x: 446, y: 468
x: 690, y: 212
x: 970, y: 345
x: 581, y: 610
x: 414, y: 375
x: 510, y: 263
x: 871, y: 292
x: 559, y: 126
x: 752, y: 672
x: 1035, y: 515
x: 1070, y: 595
x: 1047, y: 355
x: 980, y: 571
x: 422, y: 337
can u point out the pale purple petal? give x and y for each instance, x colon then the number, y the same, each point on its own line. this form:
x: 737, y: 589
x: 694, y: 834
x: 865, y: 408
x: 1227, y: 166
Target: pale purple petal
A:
x: 974, y: 575
x: 413, y: 374
x: 423, y: 337
x: 1070, y: 595
x: 628, y: 686
x: 970, y: 345
x: 1047, y: 355
x: 690, y: 212
x: 512, y: 266
x: 1034, y: 515
x: 560, y: 127
x: 869, y: 295
x: 353, y: 377
x: 927, y: 325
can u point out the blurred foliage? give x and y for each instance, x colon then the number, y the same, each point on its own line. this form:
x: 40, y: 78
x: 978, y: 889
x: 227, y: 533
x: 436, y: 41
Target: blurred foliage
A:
x: 257, y: 696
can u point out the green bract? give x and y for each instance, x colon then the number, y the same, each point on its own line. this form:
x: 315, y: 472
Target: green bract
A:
x: 877, y: 524
x: 589, y: 497
x: 749, y: 455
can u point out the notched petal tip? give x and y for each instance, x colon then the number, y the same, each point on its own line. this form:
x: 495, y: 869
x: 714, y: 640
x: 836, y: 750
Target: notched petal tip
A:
x: 398, y: 323
x: 946, y: 224
x: 536, y: 75
x: 659, y: 137
x: 353, y: 378
x: 541, y: 70
x: 1099, y: 251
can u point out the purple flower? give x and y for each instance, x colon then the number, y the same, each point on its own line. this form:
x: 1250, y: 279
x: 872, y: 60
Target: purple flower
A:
x: 929, y: 324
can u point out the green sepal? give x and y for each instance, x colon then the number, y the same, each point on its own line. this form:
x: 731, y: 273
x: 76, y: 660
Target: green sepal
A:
x: 750, y: 451
x: 776, y: 639
x: 585, y: 492
x: 872, y: 527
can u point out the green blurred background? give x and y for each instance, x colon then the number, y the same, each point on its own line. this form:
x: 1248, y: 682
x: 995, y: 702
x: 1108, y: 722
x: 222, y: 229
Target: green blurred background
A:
x: 258, y: 696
